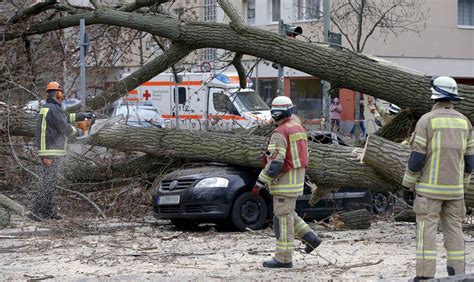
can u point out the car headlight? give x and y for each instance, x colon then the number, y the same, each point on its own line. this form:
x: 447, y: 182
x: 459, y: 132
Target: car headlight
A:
x: 212, y: 182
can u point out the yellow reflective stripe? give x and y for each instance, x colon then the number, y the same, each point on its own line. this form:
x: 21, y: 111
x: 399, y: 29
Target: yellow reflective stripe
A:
x: 459, y: 123
x: 294, y: 155
x: 287, y: 190
x: 296, y: 185
x: 461, y: 160
x: 470, y: 144
x: 421, y: 141
x: 409, y: 178
x: 271, y: 146
x: 440, y: 189
x: 298, y: 136
x: 300, y: 226
x: 426, y: 254
x: 434, y: 165
x: 283, y: 231
x: 52, y: 152
x: 264, y: 177
x: 281, y: 150
x: 74, y: 130
x: 455, y: 255
x: 72, y: 118
x: 420, y: 233
x: 44, y: 112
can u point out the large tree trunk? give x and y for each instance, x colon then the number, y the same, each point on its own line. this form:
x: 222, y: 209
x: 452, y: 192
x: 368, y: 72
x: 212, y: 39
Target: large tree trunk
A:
x: 342, y: 68
x: 389, y: 159
x: 399, y: 128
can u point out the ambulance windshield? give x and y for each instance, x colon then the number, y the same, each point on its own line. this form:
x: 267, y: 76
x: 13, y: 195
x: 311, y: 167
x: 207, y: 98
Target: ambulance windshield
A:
x: 249, y: 101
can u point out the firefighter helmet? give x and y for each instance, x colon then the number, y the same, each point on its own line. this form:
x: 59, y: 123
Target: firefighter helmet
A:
x: 53, y: 85
x: 444, y: 88
x: 54, y: 88
x: 282, y: 107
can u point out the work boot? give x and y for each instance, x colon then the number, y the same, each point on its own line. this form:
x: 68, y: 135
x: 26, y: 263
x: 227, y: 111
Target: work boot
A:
x: 273, y: 263
x: 311, y: 241
x: 421, y: 278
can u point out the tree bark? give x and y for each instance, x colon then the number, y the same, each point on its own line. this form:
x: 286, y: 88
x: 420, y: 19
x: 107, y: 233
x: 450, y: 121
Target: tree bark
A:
x: 341, y: 67
x: 358, y: 219
x: 389, y: 159
x: 399, y: 128
x: 12, y: 205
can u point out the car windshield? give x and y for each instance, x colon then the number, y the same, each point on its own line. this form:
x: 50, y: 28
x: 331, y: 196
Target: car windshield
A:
x: 249, y: 101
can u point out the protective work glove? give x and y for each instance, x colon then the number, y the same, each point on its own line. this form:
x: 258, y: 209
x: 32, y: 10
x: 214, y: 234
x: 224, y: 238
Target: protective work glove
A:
x: 256, y: 188
x: 90, y: 115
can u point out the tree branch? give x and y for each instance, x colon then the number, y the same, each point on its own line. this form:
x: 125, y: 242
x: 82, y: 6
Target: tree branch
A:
x: 237, y: 21
x: 169, y: 57
x: 32, y: 10
x: 372, y: 30
x: 130, y: 7
x: 237, y: 63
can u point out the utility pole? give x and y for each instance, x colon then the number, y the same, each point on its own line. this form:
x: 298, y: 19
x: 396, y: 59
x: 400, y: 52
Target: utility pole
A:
x: 281, y: 68
x: 326, y: 86
x: 82, y: 58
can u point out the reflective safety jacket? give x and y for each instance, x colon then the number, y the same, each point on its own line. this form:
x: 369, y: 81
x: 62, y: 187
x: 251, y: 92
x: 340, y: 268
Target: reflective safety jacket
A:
x: 286, y: 160
x: 442, y: 151
x: 53, y: 128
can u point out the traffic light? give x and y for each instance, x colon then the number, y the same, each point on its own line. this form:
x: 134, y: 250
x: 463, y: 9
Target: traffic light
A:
x: 289, y: 30
x: 293, y: 31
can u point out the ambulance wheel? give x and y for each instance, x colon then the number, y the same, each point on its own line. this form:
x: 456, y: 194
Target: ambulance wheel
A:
x: 249, y: 212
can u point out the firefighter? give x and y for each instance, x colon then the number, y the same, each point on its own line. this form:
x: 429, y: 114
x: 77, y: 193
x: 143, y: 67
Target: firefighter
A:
x: 438, y: 170
x: 284, y: 172
x: 53, y: 129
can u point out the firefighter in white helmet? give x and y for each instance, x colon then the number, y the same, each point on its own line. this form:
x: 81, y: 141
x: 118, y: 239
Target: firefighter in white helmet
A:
x: 438, y: 170
x: 285, y: 162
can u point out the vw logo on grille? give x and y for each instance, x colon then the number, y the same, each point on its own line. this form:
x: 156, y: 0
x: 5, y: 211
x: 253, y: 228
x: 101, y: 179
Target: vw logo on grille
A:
x: 173, y: 184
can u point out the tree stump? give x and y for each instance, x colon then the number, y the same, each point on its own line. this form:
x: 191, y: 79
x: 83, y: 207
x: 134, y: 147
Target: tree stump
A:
x: 358, y: 219
x: 4, y: 217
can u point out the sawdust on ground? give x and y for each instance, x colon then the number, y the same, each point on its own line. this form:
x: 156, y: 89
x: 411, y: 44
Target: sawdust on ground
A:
x: 78, y: 249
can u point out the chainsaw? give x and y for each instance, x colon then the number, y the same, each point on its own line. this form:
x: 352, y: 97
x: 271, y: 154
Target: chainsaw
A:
x: 91, y: 127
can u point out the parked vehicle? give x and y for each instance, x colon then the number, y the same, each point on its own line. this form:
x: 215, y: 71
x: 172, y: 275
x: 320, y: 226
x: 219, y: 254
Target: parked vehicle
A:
x: 34, y: 106
x: 218, y: 193
x: 203, y: 101
x: 140, y: 114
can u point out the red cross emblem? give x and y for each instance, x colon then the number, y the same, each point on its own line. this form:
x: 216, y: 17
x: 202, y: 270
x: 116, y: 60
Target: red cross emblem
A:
x: 146, y: 95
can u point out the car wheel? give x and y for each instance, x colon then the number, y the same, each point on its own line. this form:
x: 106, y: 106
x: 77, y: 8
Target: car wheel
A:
x: 183, y: 224
x: 381, y: 202
x: 249, y: 212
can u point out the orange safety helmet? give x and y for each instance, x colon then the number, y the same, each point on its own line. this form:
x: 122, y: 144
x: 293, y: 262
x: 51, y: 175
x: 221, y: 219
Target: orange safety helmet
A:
x: 55, y: 86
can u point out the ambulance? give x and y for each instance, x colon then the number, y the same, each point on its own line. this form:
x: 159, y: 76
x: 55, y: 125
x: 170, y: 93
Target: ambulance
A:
x: 203, y: 101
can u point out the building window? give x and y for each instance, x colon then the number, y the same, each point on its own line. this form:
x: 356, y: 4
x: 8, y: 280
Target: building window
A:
x: 209, y: 54
x: 209, y: 10
x: 275, y: 10
x: 309, y: 9
x: 251, y: 11
x: 466, y: 12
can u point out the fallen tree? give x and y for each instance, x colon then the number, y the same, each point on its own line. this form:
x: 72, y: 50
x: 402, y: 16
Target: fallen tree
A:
x: 389, y: 160
x: 343, y: 68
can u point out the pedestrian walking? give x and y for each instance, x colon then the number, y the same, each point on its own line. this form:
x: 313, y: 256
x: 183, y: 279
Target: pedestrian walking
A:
x: 335, y: 115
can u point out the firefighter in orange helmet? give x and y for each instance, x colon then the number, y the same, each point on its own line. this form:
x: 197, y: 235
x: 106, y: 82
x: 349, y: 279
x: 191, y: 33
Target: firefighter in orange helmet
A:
x: 54, y: 127
x: 284, y: 172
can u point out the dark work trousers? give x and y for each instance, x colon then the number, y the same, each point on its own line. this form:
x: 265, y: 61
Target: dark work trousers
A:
x: 44, y: 199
